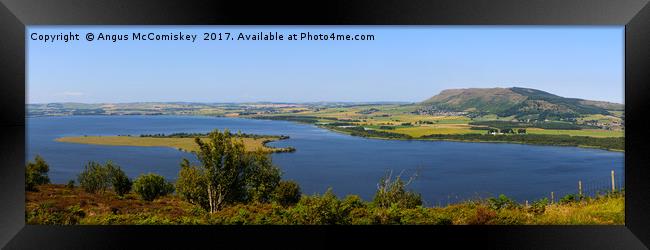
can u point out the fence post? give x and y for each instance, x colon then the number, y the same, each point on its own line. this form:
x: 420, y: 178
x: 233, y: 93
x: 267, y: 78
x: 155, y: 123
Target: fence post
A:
x: 613, y: 183
x: 552, y: 198
x: 580, y: 188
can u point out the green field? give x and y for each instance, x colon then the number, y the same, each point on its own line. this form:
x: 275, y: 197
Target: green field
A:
x: 430, y: 130
x: 582, y: 132
x: 399, y: 122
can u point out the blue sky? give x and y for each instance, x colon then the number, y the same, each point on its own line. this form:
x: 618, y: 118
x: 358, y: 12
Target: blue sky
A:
x: 403, y: 63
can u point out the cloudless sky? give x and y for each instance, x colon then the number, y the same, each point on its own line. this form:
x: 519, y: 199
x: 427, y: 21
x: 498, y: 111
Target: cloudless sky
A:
x: 403, y: 63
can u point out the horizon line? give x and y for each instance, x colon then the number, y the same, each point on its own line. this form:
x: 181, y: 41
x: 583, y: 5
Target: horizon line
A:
x: 236, y: 102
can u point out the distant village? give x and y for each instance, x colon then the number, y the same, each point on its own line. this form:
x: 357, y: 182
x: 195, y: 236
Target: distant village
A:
x: 434, y: 111
x: 613, y: 125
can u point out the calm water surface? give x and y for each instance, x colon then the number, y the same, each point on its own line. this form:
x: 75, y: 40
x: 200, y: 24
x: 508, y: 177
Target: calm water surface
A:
x: 448, y: 171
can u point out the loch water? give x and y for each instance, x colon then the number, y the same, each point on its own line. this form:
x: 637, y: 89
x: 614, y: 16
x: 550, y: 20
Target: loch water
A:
x: 447, y: 172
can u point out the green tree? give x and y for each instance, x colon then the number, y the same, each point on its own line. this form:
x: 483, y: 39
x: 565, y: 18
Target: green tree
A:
x: 36, y: 173
x: 98, y: 178
x: 261, y: 177
x: 120, y: 182
x: 151, y: 186
x: 94, y: 178
x: 227, y: 174
x: 224, y: 161
x: 232, y: 174
x: 192, y: 184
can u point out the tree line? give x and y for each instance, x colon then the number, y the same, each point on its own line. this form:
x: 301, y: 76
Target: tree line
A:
x: 513, y: 125
x: 194, y: 135
x: 361, y: 131
x: 613, y: 143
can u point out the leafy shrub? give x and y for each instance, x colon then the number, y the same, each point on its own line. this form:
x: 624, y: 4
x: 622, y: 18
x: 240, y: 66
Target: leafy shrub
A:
x: 442, y: 219
x: 97, y: 178
x: 151, y: 186
x: 387, y: 216
x: 36, y: 173
x: 361, y: 216
x: 320, y: 210
x: 287, y: 193
x: 70, y: 184
x: 393, y: 191
x: 192, y: 184
x: 539, y: 206
x: 358, y: 211
x: 352, y: 201
x: 569, y: 198
x: 261, y: 177
x: 121, y: 183
x: 94, y: 178
x: 502, y: 202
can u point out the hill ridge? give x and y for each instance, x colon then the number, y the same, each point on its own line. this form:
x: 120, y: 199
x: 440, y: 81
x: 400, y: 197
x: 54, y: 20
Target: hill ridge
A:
x: 522, y: 103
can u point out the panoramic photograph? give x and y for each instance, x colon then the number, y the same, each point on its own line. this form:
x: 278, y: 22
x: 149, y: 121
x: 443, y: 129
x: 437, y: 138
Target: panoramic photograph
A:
x: 325, y: 125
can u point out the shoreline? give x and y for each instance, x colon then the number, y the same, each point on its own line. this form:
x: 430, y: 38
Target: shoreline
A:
x: 290, y: 149
x: 469, y: 141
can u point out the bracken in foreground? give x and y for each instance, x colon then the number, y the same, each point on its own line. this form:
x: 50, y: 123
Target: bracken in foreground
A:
x: 58, y: 204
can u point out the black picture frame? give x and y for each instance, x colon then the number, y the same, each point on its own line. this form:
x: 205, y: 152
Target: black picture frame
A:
x: 16, y: 15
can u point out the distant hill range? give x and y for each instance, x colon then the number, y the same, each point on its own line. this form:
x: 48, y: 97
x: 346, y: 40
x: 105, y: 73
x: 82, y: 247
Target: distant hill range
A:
x: 522, y: 103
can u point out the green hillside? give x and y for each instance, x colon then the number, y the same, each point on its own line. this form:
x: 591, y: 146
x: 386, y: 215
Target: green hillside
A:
x: 521, y: 103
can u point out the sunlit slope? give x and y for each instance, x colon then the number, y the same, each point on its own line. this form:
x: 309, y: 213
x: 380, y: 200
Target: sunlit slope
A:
x: 522, y: 103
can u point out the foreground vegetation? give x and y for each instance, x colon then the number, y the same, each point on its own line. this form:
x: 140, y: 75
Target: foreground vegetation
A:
x: 236, y: 186
x: 57, y: 204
